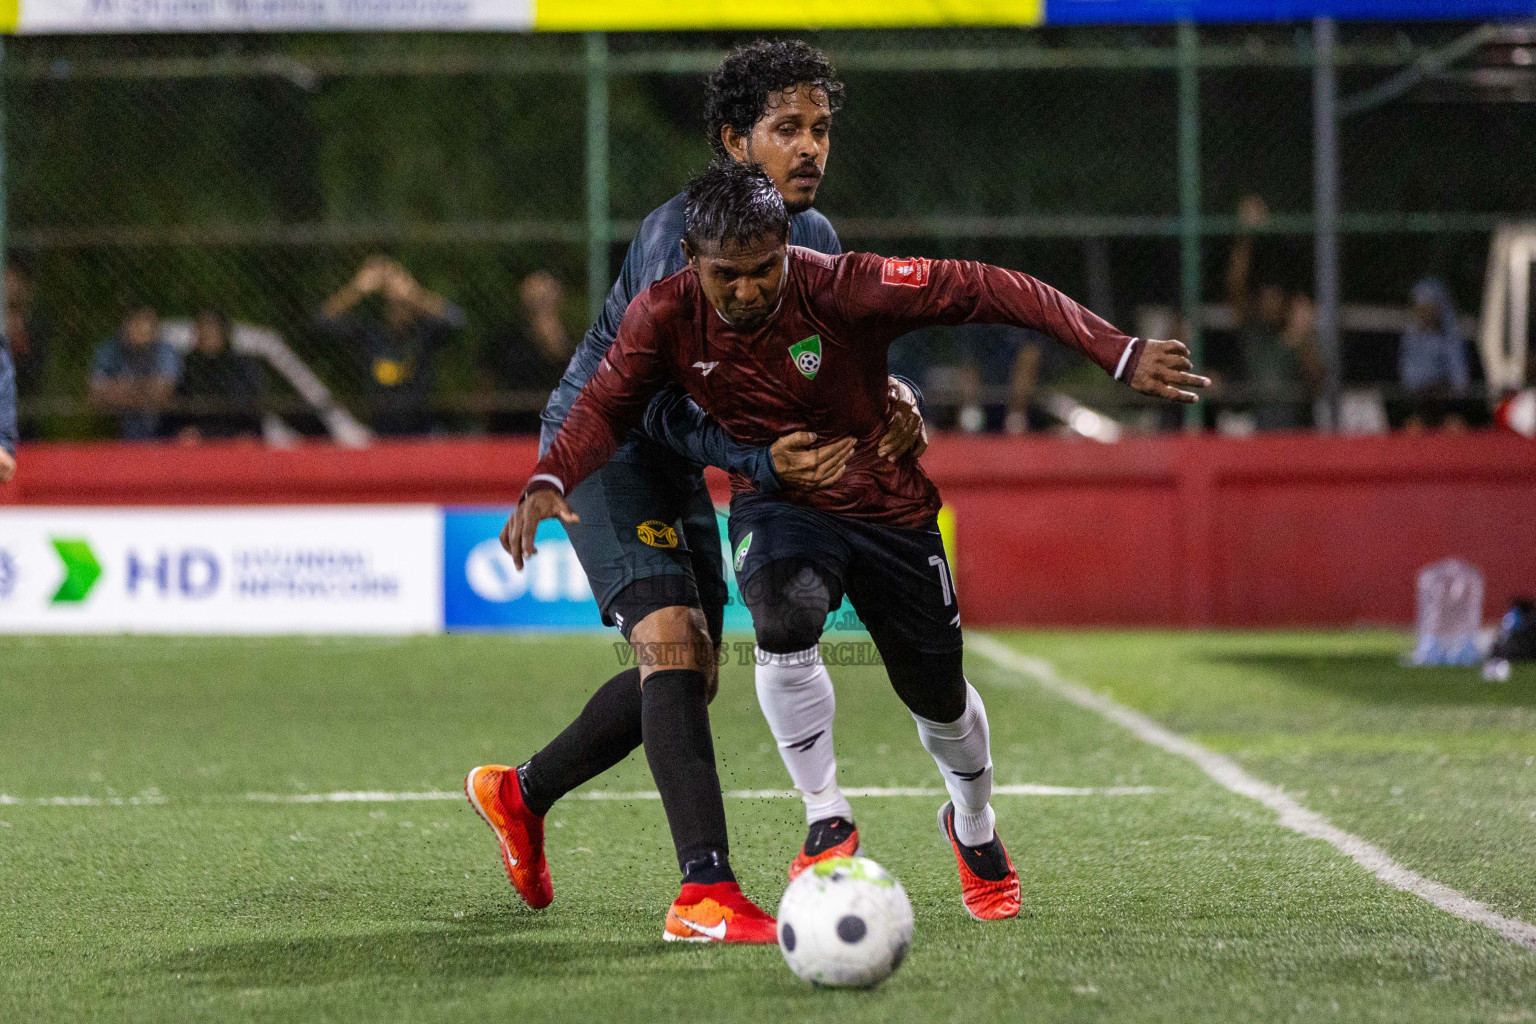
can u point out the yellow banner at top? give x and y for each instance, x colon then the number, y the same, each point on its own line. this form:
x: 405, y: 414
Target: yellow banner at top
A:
x: 640, y: 15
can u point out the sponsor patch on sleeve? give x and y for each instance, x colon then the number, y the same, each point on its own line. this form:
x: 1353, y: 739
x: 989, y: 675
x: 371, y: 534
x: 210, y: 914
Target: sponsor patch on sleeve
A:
x: 911, y: 272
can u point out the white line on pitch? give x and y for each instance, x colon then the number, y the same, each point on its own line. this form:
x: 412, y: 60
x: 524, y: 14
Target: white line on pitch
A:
x: 1227, y: 772
x: 85, y: 801
x: 376, y: 796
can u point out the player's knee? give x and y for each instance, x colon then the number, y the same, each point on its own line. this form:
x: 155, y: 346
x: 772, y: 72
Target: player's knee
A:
x: 789, y: 603
x: 675, y: 637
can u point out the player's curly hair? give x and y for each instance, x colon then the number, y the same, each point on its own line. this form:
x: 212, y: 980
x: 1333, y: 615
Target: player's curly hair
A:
x: 733, y: 202
x: 738, y: 90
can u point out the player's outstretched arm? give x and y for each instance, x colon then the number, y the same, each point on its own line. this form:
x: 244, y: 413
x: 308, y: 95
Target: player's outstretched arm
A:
x: 537, y: 505
x: 1165, y: 371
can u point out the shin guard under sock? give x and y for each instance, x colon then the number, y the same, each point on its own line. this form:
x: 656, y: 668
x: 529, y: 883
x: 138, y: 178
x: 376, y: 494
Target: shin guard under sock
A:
x: 681, y: 753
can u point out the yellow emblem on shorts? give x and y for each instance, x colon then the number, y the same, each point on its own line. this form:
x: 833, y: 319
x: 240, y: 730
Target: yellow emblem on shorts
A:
x: 657, y: 534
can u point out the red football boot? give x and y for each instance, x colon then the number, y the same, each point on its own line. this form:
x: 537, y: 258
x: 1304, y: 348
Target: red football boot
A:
x: 830, y: 838
x: 518, y: 830
x: 718, y: 913
x: 989, y: 885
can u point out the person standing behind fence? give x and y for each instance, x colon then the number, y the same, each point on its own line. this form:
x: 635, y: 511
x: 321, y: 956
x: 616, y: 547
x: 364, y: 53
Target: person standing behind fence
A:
x: 1279, y: 363
x: 134, y: 374
x: 397, y: 347
x: 1432, y: 359
x: 220, y: 389
x: 27, y: 333
x: 529, y: 355
x: 7, y: 413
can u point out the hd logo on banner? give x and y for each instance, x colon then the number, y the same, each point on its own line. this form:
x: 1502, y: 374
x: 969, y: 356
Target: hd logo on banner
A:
x: 362, y: 569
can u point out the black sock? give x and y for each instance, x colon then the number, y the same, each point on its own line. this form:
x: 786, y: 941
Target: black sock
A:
x: 709, y: 869
x: 681, y: 753
x: 607, y: 729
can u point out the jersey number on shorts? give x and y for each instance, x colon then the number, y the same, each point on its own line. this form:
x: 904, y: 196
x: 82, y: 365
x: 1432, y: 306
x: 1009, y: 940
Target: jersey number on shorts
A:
x: 938, y: 562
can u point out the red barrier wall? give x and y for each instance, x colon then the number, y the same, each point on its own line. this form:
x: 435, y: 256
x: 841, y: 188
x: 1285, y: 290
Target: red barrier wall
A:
x: 1283, y: 530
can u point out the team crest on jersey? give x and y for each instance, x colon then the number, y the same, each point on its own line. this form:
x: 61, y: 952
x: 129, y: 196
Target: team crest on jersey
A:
x: 741, y: 551
x: 806, y: 356
x: 656, y: 534
x: 913, y: 273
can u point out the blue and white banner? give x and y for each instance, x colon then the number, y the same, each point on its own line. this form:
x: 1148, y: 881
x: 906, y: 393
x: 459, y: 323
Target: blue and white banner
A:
x: 303, y: 569
x: 482, y: 589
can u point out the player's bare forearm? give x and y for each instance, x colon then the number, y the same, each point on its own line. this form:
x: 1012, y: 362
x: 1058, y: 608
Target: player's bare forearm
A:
x: 1165, y: 371
x: 517, y: 536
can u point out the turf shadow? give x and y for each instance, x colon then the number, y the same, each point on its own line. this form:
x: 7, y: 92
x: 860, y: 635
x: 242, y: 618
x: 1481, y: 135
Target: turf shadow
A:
x: 1382, y: 679
x: 474, y: 950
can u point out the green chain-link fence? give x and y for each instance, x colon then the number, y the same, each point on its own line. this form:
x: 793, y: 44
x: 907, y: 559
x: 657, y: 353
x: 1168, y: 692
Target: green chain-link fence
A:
x: 254, y: 174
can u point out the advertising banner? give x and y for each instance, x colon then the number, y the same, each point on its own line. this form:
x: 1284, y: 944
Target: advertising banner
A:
x: 103, y: 16
x: 358, y: 569
x: 482, y: 590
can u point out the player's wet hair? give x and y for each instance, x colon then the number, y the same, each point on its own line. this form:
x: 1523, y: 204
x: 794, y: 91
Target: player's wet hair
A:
x: 733, y: 202
x: 739, y: 90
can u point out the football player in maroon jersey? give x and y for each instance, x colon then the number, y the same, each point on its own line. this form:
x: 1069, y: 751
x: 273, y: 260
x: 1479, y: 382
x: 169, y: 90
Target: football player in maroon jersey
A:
x: 770, y: 338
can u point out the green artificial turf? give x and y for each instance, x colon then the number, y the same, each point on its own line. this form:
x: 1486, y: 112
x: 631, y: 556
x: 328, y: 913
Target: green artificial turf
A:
x: 1185, y: 904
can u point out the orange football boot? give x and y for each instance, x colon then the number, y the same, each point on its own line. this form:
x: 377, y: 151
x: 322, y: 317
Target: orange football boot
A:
x: 718, y: 913
x: 849, y: 847
x: 984, y: 899
x: 518, y: 830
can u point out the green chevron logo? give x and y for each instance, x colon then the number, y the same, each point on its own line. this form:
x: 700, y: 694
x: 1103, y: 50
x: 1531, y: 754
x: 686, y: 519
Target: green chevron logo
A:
x: 81, y: 570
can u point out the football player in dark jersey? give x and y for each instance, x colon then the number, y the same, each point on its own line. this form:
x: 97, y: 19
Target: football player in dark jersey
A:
x: 797, y: 340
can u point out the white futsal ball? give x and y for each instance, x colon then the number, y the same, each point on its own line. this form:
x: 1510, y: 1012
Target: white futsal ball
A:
x: 845, y: 923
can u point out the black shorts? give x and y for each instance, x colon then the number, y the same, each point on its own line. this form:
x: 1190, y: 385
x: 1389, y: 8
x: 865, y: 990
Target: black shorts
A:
x: 649, y: 539
x: 897, y: 579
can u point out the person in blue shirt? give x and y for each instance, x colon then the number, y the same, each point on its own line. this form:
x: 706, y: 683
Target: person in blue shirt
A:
x: 7, y: 412
x: 650, y: 543
x: 134, y: 374
x: 1432, y: 357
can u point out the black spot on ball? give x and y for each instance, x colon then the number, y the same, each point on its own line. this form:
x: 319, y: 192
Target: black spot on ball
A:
x: 788, y: 938
x: 851, y: 928
x: 899, y: 956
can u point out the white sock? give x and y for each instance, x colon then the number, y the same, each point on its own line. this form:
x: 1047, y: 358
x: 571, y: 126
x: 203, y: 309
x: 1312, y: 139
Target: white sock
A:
x: 796, y: 696
x: 963, y: 751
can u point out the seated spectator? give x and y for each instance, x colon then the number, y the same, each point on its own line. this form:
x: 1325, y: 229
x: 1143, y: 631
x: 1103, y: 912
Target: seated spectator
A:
x: 1432, y: 359
x: 220, y: 391
x: 1280, y: 369
x: 987, y: 375
x: 7, y: 414
x: 999, y: 357
x: 133, y: 374
x: 27, y: 332
x: 529, y: 355
x: 397, y: 345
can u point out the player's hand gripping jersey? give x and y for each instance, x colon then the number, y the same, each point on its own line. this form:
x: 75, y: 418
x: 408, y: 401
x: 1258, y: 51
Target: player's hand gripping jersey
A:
x: 818, y: 363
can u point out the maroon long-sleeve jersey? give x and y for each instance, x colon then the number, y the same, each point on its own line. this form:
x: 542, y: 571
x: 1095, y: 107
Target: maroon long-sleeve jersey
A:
x: 817, y: 363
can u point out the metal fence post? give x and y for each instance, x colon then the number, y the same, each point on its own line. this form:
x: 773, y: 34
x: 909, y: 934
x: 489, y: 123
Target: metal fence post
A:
x: 1189, y: 201
x: 1325, y: 201
x: 597, y: 173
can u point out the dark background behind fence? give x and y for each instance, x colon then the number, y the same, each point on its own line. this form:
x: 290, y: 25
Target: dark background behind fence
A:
x: 253, y: 174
